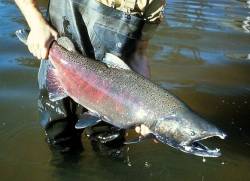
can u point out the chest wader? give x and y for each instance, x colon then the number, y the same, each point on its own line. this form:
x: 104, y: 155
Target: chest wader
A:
x: 94, y: 29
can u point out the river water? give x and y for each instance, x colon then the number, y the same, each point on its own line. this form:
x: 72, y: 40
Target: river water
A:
x: 201, y: 53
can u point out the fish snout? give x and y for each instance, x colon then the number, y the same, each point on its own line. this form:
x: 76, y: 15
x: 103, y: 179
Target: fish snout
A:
x: 199, y: 128
x: 222, y: 135
x: 196, y: 129
x: 211, y: 130
x: 184, y: 130
x: 217, y: 133
x: 197, y: 148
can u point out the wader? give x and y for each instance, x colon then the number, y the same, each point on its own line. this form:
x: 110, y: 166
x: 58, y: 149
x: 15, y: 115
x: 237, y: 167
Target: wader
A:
x: 94, y: 29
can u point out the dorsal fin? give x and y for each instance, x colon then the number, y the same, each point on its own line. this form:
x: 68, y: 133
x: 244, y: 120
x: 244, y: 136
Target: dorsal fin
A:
x: 115, y: 62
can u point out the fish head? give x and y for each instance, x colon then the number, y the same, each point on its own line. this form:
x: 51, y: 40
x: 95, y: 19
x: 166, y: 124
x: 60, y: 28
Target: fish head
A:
x: 184, y: 130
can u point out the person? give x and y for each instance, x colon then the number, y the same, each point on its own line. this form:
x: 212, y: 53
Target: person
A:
x: 96, y: 27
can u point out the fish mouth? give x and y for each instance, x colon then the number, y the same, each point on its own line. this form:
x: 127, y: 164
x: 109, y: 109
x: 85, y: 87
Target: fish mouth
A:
x: 198, y: 149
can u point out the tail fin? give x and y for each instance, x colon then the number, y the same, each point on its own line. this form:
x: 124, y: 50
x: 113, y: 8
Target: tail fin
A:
x: 22, y: 35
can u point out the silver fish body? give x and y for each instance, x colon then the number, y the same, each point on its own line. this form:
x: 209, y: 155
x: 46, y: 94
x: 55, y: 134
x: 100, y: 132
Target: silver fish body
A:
x: 125, y: 99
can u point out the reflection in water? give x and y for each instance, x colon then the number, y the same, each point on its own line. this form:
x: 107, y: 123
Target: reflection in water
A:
x: 62, y: 161
x: 246, y: 22
x: 71, y: 159
x: 215, y: 33
x: 28, y: 62
x: 200, y: 53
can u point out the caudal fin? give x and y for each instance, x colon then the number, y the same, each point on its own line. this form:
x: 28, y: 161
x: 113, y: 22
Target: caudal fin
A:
x: 22, y: 35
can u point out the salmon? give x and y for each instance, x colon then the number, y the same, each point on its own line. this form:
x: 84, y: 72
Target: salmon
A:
x: 113, y: 93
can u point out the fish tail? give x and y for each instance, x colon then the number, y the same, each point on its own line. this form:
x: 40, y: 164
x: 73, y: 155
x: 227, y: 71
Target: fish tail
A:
x: 22, y: 35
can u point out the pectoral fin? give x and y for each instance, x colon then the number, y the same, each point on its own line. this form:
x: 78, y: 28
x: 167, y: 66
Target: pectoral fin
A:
x: 87, y: 120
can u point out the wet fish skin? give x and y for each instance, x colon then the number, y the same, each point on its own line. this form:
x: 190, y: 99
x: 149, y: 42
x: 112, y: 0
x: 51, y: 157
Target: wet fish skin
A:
x: 125, y: 99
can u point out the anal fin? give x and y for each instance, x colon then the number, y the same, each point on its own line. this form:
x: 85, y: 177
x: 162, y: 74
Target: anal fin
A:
x: 139, y: 139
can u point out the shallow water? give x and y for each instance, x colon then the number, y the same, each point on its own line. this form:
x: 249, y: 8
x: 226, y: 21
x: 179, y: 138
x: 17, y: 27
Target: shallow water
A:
x: 201, y: 53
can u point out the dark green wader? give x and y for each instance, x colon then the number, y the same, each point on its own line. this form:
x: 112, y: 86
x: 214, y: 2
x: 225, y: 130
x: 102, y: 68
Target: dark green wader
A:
x: 94, y: 29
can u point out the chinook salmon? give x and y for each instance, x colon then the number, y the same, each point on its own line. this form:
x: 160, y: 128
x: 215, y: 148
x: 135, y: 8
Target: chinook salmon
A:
x: 112, y: 92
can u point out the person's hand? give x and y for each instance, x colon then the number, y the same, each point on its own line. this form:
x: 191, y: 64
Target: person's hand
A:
x: 41, y: 34
x: 143, y: 130
x: 40, y: 39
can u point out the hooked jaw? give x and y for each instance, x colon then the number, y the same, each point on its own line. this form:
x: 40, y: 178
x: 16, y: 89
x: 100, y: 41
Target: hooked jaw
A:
x: 193, y: 147
x: 185, y: 133
x: 196, y: 148
x: 200, y: 129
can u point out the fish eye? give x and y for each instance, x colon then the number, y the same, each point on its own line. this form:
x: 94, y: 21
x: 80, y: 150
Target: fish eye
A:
x: 192, y: 133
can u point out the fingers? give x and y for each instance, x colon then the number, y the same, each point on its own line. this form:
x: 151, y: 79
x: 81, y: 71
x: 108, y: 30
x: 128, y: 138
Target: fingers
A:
x: 44, y: 53
x: 156, y: 141
x: 144, y: 130
x: 49, y: 42
x: 38, y: 51
x: 54, y: 34
x: 138, y: 129
x: 33, y: 47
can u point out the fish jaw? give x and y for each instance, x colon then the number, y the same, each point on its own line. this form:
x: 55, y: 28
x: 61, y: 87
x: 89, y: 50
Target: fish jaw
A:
x: 184, y: 131
x: 194, y: 147
x: 198, y: 149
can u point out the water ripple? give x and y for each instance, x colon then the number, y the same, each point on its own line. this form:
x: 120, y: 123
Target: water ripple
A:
x: 209, y: 15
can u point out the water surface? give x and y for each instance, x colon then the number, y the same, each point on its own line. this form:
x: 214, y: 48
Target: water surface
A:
x: 201, y: 53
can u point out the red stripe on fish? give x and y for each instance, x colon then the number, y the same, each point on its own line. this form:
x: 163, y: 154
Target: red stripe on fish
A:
x: 84, y: 84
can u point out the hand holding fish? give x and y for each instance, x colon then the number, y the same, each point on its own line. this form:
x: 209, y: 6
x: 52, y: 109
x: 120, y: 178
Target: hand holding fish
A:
x: 143, y: 130
x: 39, y: 45
x: 41, y: 33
